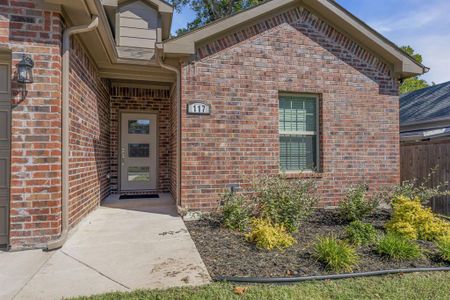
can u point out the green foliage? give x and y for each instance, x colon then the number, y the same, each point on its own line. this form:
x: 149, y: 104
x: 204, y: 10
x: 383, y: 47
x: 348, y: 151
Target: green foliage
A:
x: 415, y: 189
x: 235, y: 211
x: 398, y: 247
x: 335, y: 254
x: 360, y: 233
x: 410, y: 219
x: 269, y: 236
x: 413, y: 83
x: 356, y: 205
x: 207, y: 11
x: 443, y: 245
x: 285, y: 202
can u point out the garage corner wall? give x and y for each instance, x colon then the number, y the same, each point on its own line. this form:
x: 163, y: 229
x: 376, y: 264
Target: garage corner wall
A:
x: 35, y: 200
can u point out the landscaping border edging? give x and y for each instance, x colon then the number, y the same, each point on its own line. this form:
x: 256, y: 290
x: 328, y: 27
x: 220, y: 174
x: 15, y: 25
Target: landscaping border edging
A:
x: 288, y: 280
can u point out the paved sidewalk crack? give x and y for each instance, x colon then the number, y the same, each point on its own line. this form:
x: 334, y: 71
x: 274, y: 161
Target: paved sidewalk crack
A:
x: 32, y: 276
x: 95, y: 270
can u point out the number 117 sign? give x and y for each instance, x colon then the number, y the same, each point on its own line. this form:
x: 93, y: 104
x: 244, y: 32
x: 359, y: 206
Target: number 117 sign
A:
x: 198, y: 108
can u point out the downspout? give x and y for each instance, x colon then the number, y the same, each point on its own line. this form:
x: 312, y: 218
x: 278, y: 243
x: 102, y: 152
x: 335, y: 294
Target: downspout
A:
x: 58, y: 243
x: 159, y: 54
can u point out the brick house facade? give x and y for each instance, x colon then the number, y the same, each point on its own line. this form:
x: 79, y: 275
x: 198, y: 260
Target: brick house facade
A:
x: 239, y: 67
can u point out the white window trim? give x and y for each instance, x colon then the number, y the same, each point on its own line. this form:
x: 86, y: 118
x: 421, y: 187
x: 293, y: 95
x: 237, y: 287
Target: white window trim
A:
x: 303, y: 133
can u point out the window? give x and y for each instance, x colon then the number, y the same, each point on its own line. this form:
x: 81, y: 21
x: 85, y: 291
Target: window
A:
x: 139, y: 126
x: 298, y: 133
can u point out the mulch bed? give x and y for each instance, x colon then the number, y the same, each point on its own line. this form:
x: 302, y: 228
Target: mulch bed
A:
x: 227, y: 253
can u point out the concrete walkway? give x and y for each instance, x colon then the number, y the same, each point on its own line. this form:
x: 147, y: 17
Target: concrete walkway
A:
x: 123, y: 245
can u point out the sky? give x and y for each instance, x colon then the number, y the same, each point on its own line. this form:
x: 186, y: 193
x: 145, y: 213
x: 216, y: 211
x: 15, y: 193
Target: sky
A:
x: 422, y: 24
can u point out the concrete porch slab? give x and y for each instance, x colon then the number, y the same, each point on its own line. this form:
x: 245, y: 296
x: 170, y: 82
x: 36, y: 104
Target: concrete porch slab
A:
x: 123, y: 245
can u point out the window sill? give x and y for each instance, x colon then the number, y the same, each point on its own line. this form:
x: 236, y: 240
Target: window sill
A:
x: 302, y: 175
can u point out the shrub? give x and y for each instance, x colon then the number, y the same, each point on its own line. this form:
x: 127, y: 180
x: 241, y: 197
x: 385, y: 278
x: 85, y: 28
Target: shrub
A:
x: 412, y: 220
x: 235, y: 211
x: 269, y: 236
x: 356, y: 205
x: 335, y: 254
x: 443, y: 245
x: 398, y: 247
x: 415, y: 189
x: 285, y: 202
x: 360, y: 233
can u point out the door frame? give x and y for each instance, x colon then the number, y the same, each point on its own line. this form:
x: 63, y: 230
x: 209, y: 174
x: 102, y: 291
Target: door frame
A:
x: 5, y: 143
x: 119, y: 146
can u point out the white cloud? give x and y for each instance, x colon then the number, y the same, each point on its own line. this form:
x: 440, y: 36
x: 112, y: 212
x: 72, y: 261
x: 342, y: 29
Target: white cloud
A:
x: 413, y: 19
x: 435, y: 49
x: 427, y: 29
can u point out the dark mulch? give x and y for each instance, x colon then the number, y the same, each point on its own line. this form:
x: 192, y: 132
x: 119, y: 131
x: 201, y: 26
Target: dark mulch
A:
x: 226, y: 253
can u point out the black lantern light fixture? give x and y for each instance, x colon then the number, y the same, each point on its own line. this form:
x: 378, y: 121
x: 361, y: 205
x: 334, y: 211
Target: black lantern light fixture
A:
x: 25, y: 70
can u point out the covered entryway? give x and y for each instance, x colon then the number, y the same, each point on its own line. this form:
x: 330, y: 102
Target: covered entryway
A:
x: 5, y: 143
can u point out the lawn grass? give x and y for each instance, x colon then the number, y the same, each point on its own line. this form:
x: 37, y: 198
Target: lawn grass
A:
x: 409, y: 286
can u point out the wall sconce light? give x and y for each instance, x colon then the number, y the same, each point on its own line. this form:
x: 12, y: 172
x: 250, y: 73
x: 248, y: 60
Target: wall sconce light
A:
x: 25, y: 70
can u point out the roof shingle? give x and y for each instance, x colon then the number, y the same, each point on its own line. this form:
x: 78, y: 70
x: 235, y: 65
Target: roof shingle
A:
x: 427, y: 104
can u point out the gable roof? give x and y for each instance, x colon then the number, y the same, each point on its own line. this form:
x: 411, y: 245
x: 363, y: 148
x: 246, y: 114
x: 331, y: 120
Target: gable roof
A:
x: 404, y: 65
x: 426, y: 105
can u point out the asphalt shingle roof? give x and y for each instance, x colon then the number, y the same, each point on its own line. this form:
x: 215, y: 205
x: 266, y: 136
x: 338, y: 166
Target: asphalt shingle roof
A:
x: 426, y: 104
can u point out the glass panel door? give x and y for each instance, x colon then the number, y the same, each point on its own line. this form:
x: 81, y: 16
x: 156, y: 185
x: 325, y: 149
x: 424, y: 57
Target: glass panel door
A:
x: 138, y: 152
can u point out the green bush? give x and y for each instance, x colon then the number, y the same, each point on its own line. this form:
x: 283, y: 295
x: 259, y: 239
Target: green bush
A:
x: 235, y: 211
x: 269, y: 236
x: 356, y: 205
x: 283, y: 201
x: 335, y: 254
x: 398, y: 247
x: 415, y: 189
x: 412, y: 220
x: 360, y: 233
x: 443, y: 245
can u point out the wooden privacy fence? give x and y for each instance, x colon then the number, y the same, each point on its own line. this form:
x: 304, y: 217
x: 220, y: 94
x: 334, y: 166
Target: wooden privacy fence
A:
x: 418, y: 159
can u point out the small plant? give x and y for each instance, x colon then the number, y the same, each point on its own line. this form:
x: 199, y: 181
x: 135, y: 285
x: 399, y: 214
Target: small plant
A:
x: 443, y: 245
x: 335, y: 254
x: 398, y: 247
x: 412, y: 220
x: 286, y: 202
x: 360, y: 233
x: 356, y: 205
x: 236, y: 214
x: 415, y: 189
x: 269, y: 236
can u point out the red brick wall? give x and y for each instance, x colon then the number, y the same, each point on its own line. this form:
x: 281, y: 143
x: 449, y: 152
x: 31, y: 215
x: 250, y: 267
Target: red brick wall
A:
x: 241, y: 76
x: 36, y: 122
x: 89, y: 163
x: 150, y: 100
x: 173, y: 146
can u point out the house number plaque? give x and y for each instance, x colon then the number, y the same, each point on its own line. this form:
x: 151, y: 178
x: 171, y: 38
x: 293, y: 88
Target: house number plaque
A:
x: 198, y: 108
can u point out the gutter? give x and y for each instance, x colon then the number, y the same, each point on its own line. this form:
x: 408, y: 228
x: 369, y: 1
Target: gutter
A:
x: 159, y: 53
x: 58, y: 243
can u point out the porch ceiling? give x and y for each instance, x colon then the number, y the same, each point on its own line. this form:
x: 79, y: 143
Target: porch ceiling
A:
x: 100, y: 44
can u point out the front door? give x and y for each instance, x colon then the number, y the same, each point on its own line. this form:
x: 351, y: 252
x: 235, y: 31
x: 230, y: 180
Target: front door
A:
x: 138, y: 152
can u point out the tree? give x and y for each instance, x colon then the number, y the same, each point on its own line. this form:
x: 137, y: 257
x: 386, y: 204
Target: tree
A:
x: 207, y: 11
x: 413, y: 83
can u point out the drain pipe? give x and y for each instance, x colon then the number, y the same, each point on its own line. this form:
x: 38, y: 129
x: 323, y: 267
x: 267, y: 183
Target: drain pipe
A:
x: 58, y: 243
x: 159, y: 54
